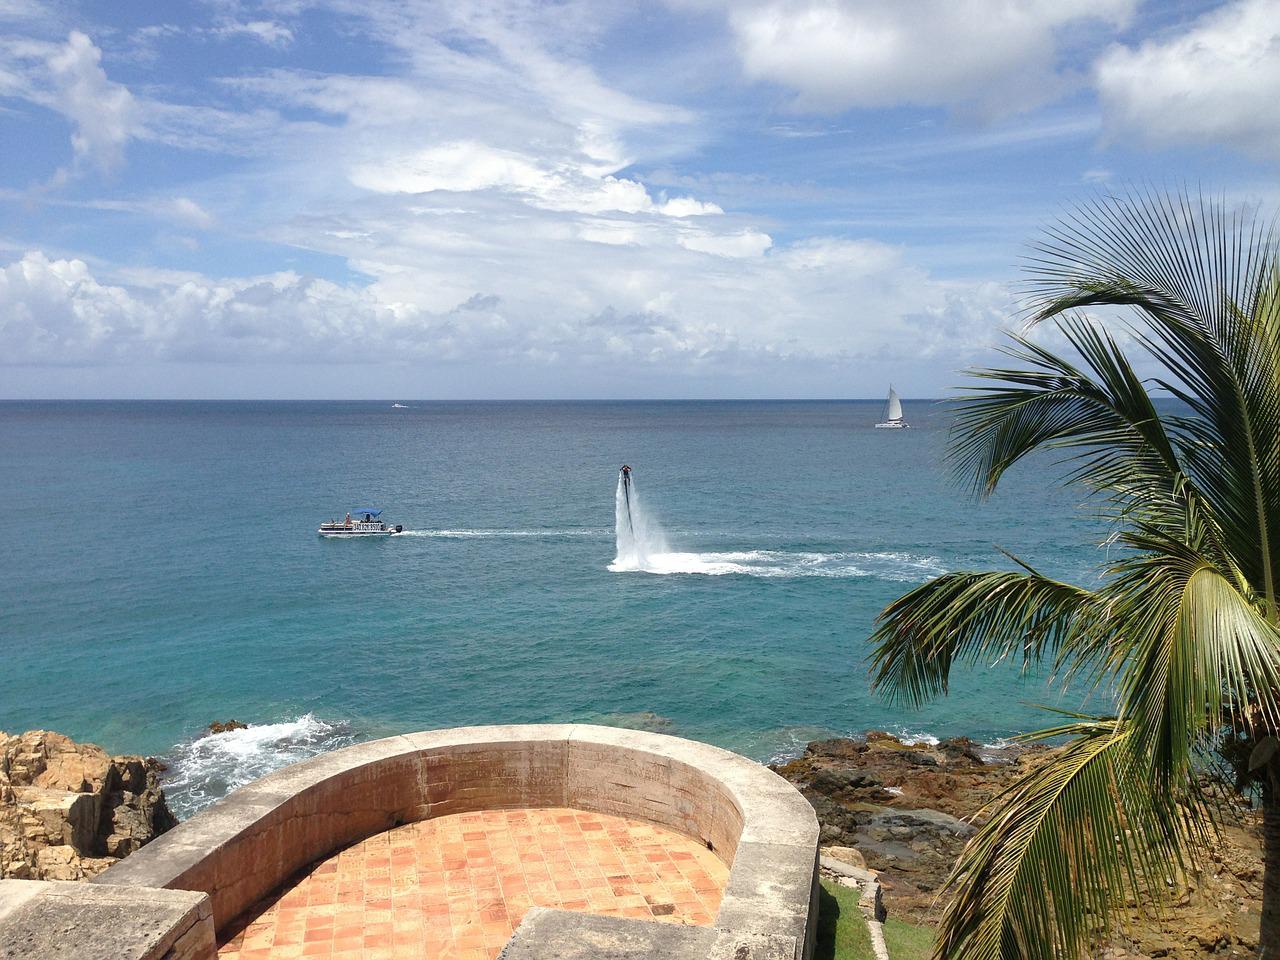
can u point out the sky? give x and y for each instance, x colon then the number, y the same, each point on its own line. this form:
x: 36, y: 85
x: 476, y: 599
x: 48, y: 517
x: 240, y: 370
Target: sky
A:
x: 513, y: 199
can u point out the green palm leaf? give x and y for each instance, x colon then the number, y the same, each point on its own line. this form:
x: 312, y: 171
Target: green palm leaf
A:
x: 1183, y: 624
x: 982, y: 618
x: 1041, y: 879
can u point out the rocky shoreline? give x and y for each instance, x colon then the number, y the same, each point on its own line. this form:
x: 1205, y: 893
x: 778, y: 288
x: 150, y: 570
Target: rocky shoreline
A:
x: 905, y: 810
x: 69, y: 810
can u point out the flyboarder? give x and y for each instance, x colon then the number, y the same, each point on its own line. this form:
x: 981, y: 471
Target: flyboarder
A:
x: 626, y: 492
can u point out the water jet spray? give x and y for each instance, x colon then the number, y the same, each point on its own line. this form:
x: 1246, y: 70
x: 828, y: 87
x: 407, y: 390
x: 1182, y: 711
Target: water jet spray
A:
x: 625, y: 473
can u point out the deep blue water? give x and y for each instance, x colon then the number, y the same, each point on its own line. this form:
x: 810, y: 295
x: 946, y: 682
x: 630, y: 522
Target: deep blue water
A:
x: 161, y: 569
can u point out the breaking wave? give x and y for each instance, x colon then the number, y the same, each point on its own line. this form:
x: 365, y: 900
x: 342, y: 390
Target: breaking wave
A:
x: 211, y: 766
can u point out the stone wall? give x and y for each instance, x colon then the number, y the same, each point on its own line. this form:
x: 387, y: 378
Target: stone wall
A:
x: 248, y: 844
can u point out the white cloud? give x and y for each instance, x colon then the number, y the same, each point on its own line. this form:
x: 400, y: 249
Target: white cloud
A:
x: 491, y: 196
x: 688, y: 207
x: 51, y: 308
x: 103, y: 114
x: 614, y: 232
x: 567, y: 183
x: 824, y: 301
x: 463, y: 166
x: 69, y: 79
x: 187, y: 210
x: 993, y: 58
x: 1216, y: 82
x: 182, y: 210
x: 59, y: 312
x: 22, y: 10
x: 270, y: 32
x: 746, y: 243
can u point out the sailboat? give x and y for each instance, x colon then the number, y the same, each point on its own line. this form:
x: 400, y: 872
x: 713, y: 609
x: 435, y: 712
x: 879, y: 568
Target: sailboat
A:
x: 893, y: 413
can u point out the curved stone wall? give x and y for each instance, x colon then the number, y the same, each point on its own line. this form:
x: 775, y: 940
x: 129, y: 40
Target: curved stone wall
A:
x: 248, y: 844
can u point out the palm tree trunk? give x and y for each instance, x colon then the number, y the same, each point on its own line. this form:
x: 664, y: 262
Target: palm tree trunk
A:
x: 1269, y: 934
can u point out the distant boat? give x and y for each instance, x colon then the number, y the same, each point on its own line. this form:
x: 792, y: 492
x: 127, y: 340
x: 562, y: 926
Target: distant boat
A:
x: 893, y: 413
x: 365, y: 523
x: 398, y: 406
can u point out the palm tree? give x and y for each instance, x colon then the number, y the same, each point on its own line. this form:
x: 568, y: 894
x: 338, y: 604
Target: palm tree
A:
x: 1180, y: 631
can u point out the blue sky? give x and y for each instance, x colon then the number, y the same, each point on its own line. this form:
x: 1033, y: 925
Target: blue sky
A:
x: 691, y: 198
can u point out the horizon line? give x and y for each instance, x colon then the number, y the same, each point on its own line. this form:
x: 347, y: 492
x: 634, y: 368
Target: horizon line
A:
x: 459, y: 399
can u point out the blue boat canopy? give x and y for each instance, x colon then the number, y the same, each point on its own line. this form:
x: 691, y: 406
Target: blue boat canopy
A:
x: 369, y: 510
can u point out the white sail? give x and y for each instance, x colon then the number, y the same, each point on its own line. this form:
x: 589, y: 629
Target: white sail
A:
x: 893, y: 410
x: 893, y: 413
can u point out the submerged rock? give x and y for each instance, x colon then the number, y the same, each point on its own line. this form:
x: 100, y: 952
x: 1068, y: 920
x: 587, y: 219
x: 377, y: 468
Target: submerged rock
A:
x: 68, y: 810
x: 226, y: 726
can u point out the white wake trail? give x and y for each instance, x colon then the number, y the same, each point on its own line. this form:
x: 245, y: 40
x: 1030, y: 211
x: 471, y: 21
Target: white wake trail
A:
x: 901, y: 567
x: 498, y: 534
x: 642, y: 547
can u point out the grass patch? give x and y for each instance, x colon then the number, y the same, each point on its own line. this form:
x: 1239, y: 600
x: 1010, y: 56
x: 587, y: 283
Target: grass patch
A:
x: 906, y: 941
x: 842, y: 931
x: 842, y: 934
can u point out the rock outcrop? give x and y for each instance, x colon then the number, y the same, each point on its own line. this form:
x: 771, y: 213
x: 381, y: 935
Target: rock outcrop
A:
x: 906, y: 811
x: 68, y: 810
x: 903, y: 806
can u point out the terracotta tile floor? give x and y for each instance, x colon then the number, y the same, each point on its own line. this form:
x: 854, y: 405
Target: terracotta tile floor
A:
x: 455, y: 888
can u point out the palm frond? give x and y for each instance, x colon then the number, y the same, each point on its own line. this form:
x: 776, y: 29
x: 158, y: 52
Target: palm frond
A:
x: 1202, y: 279
x: 1103, y: 411
x: 1190, y: 644
x: 1063, y: 846
x: 961, y: 617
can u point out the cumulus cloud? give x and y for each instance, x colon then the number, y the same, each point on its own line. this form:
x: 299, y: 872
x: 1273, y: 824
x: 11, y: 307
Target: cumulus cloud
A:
x: 824, y: 301
x: 1216, y: 82
x: 688, y: 207
x: 103, y: 114
x: 992, y: 58
x: 56, y: 311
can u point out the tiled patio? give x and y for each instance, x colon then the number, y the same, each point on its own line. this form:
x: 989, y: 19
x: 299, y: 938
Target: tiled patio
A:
x: 454, y: 888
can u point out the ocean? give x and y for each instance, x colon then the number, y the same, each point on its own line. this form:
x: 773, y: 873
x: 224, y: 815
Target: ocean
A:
x: 161, y: 570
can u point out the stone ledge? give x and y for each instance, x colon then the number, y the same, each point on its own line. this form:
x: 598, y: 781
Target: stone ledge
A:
x: 52, y: 920
x: 564, y: 935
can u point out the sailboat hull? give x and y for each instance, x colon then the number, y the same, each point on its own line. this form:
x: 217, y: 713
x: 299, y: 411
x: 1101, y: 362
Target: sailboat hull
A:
x: 893, y: 425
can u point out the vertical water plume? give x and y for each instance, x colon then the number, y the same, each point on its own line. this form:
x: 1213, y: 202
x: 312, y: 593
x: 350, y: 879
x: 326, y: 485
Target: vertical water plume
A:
x: 638, y: 536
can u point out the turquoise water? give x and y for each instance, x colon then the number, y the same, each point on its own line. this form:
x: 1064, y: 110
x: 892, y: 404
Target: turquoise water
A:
x: 161, y: 570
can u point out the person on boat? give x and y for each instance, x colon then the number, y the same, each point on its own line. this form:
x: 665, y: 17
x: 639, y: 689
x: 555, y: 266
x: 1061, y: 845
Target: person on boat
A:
x: 347, y: 522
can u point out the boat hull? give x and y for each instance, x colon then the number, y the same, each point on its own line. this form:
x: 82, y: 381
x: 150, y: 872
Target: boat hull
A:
x: 346, y: 532
x: 893, y: 426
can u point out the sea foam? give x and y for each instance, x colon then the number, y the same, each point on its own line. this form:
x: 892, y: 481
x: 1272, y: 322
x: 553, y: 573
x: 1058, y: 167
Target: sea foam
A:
x: 901, y: 567
x: 210, y: 766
